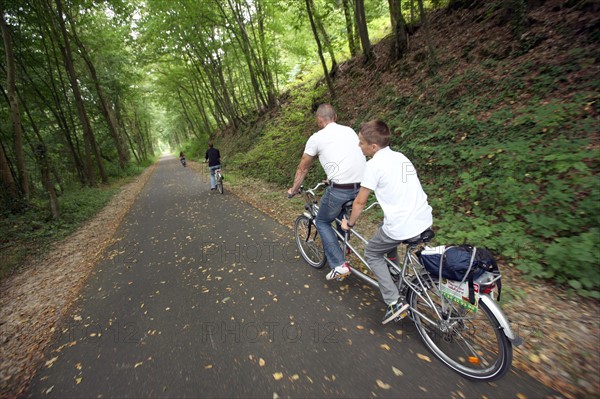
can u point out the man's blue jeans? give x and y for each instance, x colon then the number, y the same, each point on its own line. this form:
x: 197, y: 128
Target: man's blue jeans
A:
x: 330, y: 208
x: 213, y: 182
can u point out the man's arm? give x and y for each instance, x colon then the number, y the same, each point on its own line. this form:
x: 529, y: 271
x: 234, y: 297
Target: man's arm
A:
x: 301, y: 172
x: 357, y: 207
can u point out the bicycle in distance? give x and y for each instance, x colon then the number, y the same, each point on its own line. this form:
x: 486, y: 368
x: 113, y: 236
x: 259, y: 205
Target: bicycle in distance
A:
x: 219, y: 180
x: 467, y: 331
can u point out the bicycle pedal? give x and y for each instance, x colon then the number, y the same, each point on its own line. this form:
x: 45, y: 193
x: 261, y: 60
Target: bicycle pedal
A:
x: 401, y: 316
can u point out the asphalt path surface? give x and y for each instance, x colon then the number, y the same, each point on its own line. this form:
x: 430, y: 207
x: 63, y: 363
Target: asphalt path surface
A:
x: 203, y: 295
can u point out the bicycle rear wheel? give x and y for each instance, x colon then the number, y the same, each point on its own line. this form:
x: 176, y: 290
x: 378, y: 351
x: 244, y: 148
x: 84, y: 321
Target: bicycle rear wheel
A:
x: 219, y: 177
x: 309, y: 242
x: 469, y: 342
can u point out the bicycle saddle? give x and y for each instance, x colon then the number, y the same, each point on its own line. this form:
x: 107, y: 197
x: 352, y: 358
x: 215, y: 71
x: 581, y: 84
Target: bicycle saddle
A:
x: 348, y: 205
x: 425, y: 236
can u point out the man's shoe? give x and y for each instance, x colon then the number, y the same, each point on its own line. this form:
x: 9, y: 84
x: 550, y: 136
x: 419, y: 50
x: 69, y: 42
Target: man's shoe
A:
x: 339, y: 273
x: 395, y: 310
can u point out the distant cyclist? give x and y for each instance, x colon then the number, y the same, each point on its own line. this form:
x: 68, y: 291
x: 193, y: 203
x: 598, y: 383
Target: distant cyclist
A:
x: 213, y: 157
x: 182, y: 158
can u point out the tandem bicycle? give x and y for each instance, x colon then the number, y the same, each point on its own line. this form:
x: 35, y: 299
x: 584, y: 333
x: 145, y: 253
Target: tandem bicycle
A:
x: 473, y: 339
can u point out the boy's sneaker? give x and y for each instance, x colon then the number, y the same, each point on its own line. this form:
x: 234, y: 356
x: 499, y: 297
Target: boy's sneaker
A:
x: 339, y: 273
x: 395, y: 310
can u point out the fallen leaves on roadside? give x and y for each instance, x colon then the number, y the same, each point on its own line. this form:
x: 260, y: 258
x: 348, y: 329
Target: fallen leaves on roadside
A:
x: 50, y: 362
x: 383, y: 385
x: 397, y: 372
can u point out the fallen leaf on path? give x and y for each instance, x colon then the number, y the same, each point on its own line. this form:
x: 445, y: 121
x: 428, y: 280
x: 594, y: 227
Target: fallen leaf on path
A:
x: 138, y: 365
x: 383, y: 385
x: 261, y: 362
x: 277, y: 376
x: 385, y: 346
x: 50, y: 362
x: 423, y: 357
x: 397, y: 372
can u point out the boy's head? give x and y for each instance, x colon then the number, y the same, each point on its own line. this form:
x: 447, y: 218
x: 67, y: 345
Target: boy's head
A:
x: 210, y: 144
x: 374, y: 135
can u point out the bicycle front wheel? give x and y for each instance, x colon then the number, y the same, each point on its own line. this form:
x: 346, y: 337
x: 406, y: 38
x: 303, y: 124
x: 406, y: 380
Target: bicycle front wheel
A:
x: 220, y: 183
x: 309, y: 242
x: 469, y: 341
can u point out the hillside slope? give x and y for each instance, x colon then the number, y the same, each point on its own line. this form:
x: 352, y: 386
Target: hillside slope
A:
x: 503, y: 131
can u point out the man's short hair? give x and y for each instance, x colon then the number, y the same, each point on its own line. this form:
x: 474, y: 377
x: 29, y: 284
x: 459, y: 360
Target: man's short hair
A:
x: 326, y: 112
x: 376, y: 132
x: 210, y: 145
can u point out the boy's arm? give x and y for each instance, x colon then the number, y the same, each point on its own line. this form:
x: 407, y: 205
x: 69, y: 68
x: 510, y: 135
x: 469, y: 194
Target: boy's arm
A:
x: 357, y: 207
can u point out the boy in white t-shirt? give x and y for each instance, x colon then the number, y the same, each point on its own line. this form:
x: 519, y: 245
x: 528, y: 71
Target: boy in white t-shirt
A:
x: 406, y: 212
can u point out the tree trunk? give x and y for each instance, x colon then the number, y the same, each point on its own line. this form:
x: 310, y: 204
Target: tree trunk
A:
x: 14, y: 104
x: 105, y: 106
x: 9, y: 192
x: 350, y: 28
x: 41, y: 155
x: 398, y: 28
x: 88, y: 134
x: 363, y: 31
x: 320, y: 49
x: 325, y: 36
x: 269, y: 82
x: 427, y: 34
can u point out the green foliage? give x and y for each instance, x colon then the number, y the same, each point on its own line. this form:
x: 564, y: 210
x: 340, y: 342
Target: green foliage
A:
x: 522, y: 182
x: 270, y: 156
x: 31, y: 233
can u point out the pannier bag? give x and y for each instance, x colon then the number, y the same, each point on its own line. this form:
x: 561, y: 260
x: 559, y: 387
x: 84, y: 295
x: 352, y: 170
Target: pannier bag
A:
x: 459, y: 263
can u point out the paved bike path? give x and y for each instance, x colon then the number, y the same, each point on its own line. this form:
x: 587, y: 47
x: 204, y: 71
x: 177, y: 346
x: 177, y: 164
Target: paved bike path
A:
x: 205, y: 296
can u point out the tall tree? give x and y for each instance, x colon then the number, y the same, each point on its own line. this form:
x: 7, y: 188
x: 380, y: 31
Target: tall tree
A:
x: 363, y: 30
x: 400, y: 43
x: 427, y: 33
x: 319, y: 48
x: 353, y: 45
x: 7, y: 183
x: 89, y: 138
x: 326, y: 40
x: 14, y: 103
x: 105, y: 106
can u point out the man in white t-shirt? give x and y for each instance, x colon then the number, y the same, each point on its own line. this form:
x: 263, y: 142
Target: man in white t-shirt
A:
x: 406, y: 213
x: 343, y: 162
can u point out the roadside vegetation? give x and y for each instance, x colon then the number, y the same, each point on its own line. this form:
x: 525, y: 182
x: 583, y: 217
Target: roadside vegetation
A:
x: 503, y: 131
x: 31, y: 233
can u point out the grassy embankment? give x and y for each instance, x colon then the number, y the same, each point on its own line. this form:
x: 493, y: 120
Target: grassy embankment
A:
x: 503, y: 132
